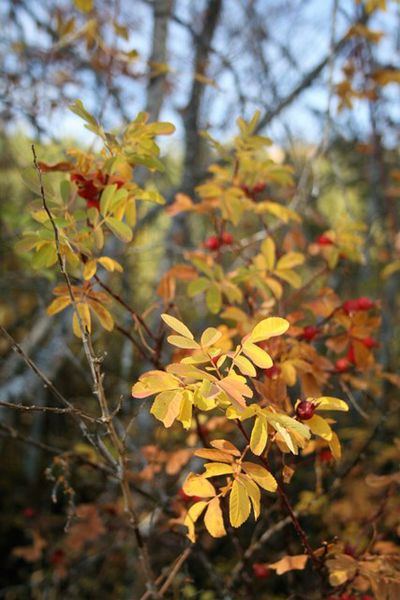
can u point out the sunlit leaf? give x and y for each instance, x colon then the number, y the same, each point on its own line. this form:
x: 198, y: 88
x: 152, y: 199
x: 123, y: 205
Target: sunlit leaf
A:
x: 213, y: 519
x: 239, y: 504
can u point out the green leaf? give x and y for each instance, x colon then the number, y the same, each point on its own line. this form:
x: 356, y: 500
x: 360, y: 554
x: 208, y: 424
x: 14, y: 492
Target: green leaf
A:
x: 197, y: 286
x: 78, y: 108
x: 214, y: 299
x: 121, y: 230
x: 107, y: 197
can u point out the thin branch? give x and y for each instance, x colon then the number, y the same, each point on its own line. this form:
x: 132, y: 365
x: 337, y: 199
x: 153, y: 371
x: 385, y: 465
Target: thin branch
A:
x: 292, y: 514
x: 95, y: 368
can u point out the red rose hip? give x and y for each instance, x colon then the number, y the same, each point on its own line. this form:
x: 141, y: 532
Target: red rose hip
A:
x: 261, y: 571
x: 309, y: 332
x: 305, y: 410
x: 365, y: 303
x: 212, y: 243
x: 342, y: 365
x: 226, y: 238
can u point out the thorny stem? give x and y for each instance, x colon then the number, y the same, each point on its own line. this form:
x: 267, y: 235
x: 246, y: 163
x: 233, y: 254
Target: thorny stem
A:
x: 97, y: 377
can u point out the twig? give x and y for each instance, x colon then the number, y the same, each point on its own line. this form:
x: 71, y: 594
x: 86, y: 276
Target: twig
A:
x: 174, y: 568
x: 135, y: 316
x: 293, y: 516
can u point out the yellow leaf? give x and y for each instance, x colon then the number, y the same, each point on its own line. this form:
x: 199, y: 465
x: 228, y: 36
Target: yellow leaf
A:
x: 183, y: 342
x: 110, y: 264
x: 239, y: 504
x: 390, y: 269
x: 154, y: 382
x: 210, y: 336
x: 84, y: 314
x: 235, y: 390
x: 290, y: 563
x: 288, y: 372
x: 58, y: 305
x: 274, y: 286
x: 198, y: 485
x: 290, y: 260
x: 259, y: 436
x: 185, y: 414
x: 225, y: 446
x: 258, y: 356
x: 320, y: 427
x: 245, y: 366
x: 177, y: 326
x: 334, y: 445
x: 261, y: 476
x: 192, y: 515
x: 84, y: 5
x: 330, y: 403
x: 167, y: 406
x: 211, y: 454
x: 269, y: 252
x: 89, y: 269
x: 215, y: 469
x: 254, y: 494
x: 103, y: 315
x: 268, y: 328
x: 213, y: 519
x: 290, y: 277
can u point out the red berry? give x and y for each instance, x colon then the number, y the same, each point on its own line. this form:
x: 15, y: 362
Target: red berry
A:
x: 273, y: 372
x: 342, y: 365
x: 29, y: 512
x: 325, y: 455
x: 305, y: 410
x: 367, y: 597
x: 261, y: 571
x: 349, y: 550
x: 245, y: 189
x: 365, y: 303
x: 350, y: 306
x: 259, y: 187
x: 369, y: 342
x: 309, y: 332
x: 212, y: 243
x: 346, y: 596
x: 324, y: 240
x: 226, y: 238
x: 57, y: 557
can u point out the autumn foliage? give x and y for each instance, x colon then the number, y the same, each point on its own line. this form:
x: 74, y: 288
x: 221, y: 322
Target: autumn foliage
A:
x: 234, y: 468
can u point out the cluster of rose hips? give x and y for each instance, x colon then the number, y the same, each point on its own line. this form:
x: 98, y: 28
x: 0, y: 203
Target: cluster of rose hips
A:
x: 363, y: 303
x: 215, y: 242
x: 350, y: 307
